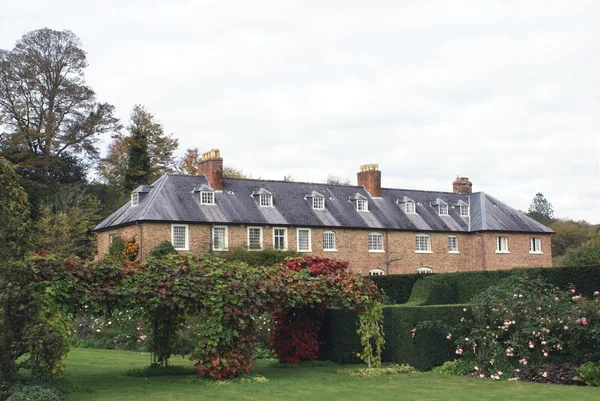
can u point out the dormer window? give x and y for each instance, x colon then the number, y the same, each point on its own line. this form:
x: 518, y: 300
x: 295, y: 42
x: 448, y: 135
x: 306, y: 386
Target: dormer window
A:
x: 266, y: 200
x: 464, y: 211
x: 441, y: 206
x: 207, y: 198
x: 318, y: 202
x: 135, y: 199
x: 362, y: 205
x: 410, y: 208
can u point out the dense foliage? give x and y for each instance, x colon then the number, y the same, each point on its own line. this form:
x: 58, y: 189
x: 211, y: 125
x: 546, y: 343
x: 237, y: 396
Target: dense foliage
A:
x: 14, y: 213
x: 524, y: 322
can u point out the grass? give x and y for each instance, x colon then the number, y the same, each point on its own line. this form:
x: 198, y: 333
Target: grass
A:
x: 104, y: 374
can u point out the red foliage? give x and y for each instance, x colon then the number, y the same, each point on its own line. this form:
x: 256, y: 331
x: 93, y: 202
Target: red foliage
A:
x: 318, y: 266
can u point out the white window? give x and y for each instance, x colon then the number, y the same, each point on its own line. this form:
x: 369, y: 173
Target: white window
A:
x: 135, y: 199
x: 376, y: 272
x: 266, y: 200
x: 464, y: 211
x: 453, y: 244
x: 410, y: 207
x: 362, y: 205
x: 424, y: 270
x: 443, y: 209
x: 255, y: 238
x: 318, y: 202
x: 329, y: 241
x: 535, y: 245
x: 501, y: 244
x: 280, y: 238
x: 375, y: 242
x: 303, y: 237
x: 207, y: 198
x: 423, y: 243
x: 179, y: 236
x: 111, y: 238
x: 219, y: 240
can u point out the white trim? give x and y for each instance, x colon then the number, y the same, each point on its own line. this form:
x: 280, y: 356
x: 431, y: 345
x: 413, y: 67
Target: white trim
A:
x: 268, y: 200
x: 380, y: 235
x: 285, y: 238
x: 456, y: 243
x: 319, y: 204
x: 539, y: 246
x: 461, y: 208
x: 187, y: 236
x: 334, y: 249
x: 309, y: 240
x: 376, y: 272
x: 424, y: 270
x: 428, y: 243
x: 499, y: 244
x: 260, y: 246
x: 202, y: 193
x: 135, y: 198
x: 226, y: 239
x: 364, y: 207
x: 440, y: 206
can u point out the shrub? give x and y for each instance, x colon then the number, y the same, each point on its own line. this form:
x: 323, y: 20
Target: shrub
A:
x: 163, y: 249
x: 588, y: 373
x: 457, y: 367
x: 386, y: 370
x: 35, y: 392
x: 523, y: 322
x: 116, y: 249
x: 431, y: 292
x: 396, y: 288
x: 266, y: 257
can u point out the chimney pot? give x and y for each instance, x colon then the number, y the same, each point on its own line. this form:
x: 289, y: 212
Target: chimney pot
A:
x: 462, y: 185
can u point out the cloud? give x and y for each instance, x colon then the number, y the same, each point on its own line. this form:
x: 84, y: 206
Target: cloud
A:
x: 503, y: 92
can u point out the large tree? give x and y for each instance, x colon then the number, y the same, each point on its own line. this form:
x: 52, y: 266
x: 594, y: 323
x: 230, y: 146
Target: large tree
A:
x: 541, y: 210
x: 142, y: 156
x: 49, y: 116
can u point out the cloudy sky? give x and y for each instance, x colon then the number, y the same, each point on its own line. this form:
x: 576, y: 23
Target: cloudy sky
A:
x: 504, y: 92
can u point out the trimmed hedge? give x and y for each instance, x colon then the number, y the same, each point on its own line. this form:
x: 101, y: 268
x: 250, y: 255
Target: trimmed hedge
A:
x: 266, y: 257
x: 428, y: 348
x: 397, y: 287
x: 461, y: 287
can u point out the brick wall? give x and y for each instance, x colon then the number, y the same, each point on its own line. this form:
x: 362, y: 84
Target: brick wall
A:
x: 352, y: 245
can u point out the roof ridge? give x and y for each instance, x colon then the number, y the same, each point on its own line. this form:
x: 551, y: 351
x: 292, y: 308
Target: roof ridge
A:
x: 294, y: 182
x: 158, y: 185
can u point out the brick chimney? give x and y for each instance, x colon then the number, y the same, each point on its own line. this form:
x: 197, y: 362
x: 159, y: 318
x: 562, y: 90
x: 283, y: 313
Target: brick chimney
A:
x: 211, y: 166
x: 369, y: 177
x: 462, y: 185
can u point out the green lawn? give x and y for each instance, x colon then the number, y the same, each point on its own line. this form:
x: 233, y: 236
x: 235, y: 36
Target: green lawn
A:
x: 104, y: 374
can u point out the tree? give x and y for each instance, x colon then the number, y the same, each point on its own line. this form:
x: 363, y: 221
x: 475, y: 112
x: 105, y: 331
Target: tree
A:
x: 231, y: 172
x: 14, y: 213
x: 190, y: 161
x: 65, y: 224
x: 569, y: 234
x: 48, y: 112
x: 150, y: 152
x: 335, y: 180
x: 587, y: 254
x: 541, y: 210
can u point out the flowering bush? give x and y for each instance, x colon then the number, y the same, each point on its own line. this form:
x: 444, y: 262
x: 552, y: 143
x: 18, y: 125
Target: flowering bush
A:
x: 522, y: 323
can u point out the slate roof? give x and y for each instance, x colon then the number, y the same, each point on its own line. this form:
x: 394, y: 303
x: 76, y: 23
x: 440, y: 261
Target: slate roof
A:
x: 172, y: 199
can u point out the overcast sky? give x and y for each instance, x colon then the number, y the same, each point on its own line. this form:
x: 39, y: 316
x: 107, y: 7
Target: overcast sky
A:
x: 504, y: 92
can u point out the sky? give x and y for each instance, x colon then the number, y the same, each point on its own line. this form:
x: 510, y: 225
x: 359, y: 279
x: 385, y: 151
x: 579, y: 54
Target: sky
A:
x: 506, y: 93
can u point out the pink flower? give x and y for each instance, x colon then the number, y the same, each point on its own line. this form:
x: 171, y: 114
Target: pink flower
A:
x: 531, y: 344
x: 459, y: 351
x: 449, y: 336
x: 566, y: 328
x: 583, y: 321
x: 572, y: 290
x: 544, y: 374
x: 578, y: 321
x: 510, y: 351
x: 545, y: 353
x: 596, y: 293
x: 523, y: 361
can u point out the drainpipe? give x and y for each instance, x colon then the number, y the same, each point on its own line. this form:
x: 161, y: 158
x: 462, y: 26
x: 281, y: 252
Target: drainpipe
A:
x: 482, y: 251
x: 141, y: 251
x: 387, y: 255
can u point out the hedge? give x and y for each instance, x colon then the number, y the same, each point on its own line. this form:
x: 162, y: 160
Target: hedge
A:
x: 266, y: 257
x: 428, y: 348
x: 397, y: 287
x: 461, y: 287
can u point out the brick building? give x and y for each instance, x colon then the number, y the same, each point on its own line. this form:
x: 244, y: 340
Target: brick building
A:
x: 378, y: 230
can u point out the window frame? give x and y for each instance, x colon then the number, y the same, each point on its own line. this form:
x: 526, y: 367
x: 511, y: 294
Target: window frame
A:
x: 500, y: 244
x: 187, y: 237
x: 428, y: 243
x: 111, y: 238
x: 260, y: 245
x: 285, y: 238
x: 369, y: 242
x: 455, y: 238
x: 212, y: 197
x: 364, y: 205
x: 334, y: 249
x: 225, y: 239
x: 413, y: 205
x: 462, y: 208
x: 424, y: 270
x: 445, y: 207
x: 268, y: 200
x: 318, y: 202
x: 135, y: 199
x: 376, y: 272
x: 532, y: 249
x: 309, y: 231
